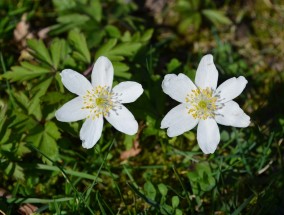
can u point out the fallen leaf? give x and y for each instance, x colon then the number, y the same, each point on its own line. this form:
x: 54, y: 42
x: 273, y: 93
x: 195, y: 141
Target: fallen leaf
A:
x: 135, y: 150
x: 21, y: 32
x: 26, y: 209
x: 42, y: 34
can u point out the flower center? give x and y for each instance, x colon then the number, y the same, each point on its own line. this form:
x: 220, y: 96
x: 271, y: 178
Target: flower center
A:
x: 203, y: 103
x: 100, y: 101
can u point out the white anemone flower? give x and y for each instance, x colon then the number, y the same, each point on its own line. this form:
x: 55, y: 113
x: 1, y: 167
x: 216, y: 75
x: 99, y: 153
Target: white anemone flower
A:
x: 204, y: 104
x: 97, y: 100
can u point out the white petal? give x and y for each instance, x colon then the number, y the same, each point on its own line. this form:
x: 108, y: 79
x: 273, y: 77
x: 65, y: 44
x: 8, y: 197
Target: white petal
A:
x: 177, y: 87
x: 72, y: 111
x: 128, y: 91
x: 123, y: 120
x: 208, y: 135
x: 231, y: 88
x: 75, y: 82
x: 232, y: 115
x: 91, y: 132
x: 178, y: 121
x: 174, y: 115
x: 102, y: 73
x: 206, y: 74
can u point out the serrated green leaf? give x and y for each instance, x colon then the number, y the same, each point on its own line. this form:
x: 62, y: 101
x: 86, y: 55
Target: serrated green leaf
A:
x: 39, y: 50
x: 22, y: 122
x: 62, y: 5
x: 73, y: 19
x: 55, y: 50
x: 42, y: 87
x: 15, y: 170
x: 173, y: 65
x: 147, y: 35
x: 52, y: 130
x: 44, y: 138
x: 114, y: 57
x: 78, y: 56
x: 5, y: 135
x: 34, y: 106
x: 59, y: 82
x: 34, y: 68
x: 49, y: 148
x: 78, y: 41
x: 106, y: 48
x: 126, y: 37
x: 96, y: 10
x: 120, y: 70
x: 19, y: 73
x: 113, y: 31
x: 217, y: 17
x: 125, y: 49
x: 136, y: 37
x: 194, y: 20
x: 53, y: 97
x: 21, y: 100
x: 22, y: 149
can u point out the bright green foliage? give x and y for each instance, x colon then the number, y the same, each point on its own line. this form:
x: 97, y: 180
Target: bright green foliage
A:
x: 78, y: 43
x: 42, y: 161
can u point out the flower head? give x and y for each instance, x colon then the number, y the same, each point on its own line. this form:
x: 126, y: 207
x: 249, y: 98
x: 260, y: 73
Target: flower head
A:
x: 97, y: 100
x: 204, y: 104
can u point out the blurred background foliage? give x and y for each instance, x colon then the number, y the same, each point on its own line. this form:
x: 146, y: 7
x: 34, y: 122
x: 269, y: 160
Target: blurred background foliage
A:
x: 43, y: 165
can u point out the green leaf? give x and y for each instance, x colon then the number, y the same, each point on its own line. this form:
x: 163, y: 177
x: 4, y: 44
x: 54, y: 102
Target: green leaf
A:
x: 173, y: 65
x: 55, y: 50
x: 34, y: 107
x: 61, y: 5
x: 73, y: 19
x: 147, y: 35
x: 193, y: 21
x: 150, y: 190
x: 52, y: 130
x: 15, y: 170
x: 120, y: 70
x: 175, y: 201
x: 106, y: 48
x: 44, y: 138
x: 22, y: 100
x: 49, y: 148
x: 118, y: 52
x: 96, y: 10
x: 78, y: 41
x: 22, y: 149
x: 217, y: 17
x: 25, y: 72
x: 163, y: 189
x: 125, y: 49
x: 39, y: 50
x: 201, y: 177
x: 113, y: 31
x: 178, y: 212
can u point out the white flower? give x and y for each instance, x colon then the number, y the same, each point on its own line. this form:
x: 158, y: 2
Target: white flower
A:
x: 203, y: 104
x: 97, y: 100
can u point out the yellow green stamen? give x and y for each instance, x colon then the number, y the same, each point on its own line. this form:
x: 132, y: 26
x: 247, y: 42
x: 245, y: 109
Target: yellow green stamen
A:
x: 100, y: 101
x: 202, y: 103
